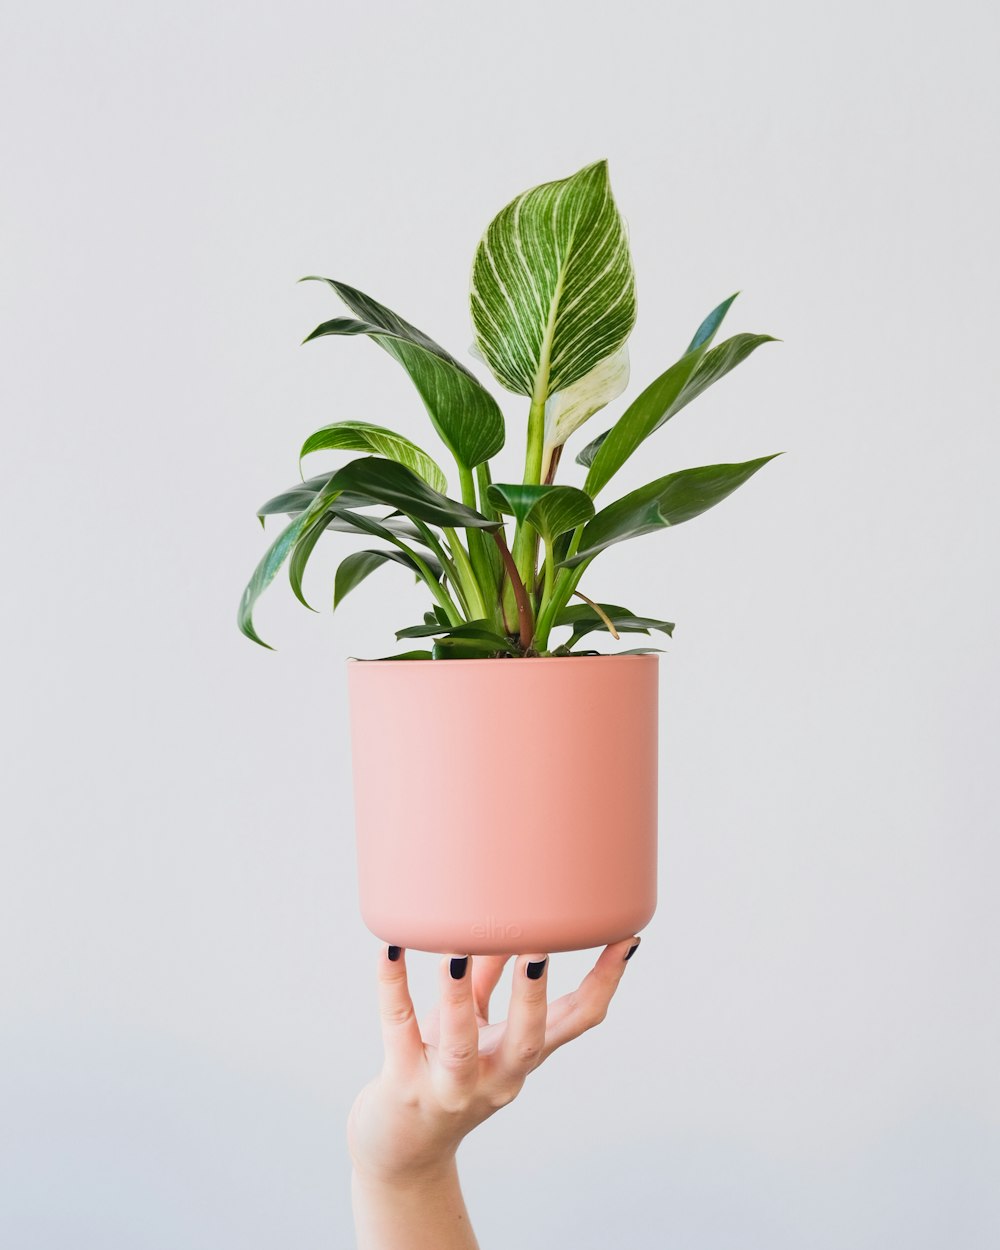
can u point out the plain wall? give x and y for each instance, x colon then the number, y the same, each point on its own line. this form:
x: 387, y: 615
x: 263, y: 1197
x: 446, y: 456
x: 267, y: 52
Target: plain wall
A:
x: 803, y: 1054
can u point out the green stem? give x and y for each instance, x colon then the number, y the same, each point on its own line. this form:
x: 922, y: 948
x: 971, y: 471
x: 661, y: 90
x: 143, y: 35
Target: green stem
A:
x: 433, y: 585
x: 466, y: 576
x: 525, y: 548
x: 565, y: 583
x: 523, y: 602
x: 485, y: 572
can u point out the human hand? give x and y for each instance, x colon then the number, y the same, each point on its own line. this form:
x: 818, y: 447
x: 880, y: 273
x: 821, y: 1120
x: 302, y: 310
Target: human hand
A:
x: 442, y: 1079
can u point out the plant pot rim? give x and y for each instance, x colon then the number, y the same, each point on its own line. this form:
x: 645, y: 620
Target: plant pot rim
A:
x: 535, y: 659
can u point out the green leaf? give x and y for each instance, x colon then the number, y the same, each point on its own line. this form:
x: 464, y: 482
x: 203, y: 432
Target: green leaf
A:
x: 707, y: 330
x: 463, y: 412
x: 584, y: 620
x: 553, y: 291
x: 715, y: 364
x: 669, y: 500
x: 403, y: 655
x: 662, y: 399
x: 463, y: 649
x: 363, y: 436
x: 298, y: 497
x: 353, y: 569
x: 300, y: 557
x: 275, y: 556
x: 552, y: 510
x: 475, y: 631
x: 381, y: 481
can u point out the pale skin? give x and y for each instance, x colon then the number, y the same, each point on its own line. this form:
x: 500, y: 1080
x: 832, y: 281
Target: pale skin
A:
x: 441, y: 1079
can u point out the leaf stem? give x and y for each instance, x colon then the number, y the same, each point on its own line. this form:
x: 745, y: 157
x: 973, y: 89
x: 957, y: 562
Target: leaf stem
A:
x: 466, y: 575
x: 521, y: 595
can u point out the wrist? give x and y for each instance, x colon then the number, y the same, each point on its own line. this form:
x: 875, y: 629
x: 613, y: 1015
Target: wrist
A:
x: 440, y: 1172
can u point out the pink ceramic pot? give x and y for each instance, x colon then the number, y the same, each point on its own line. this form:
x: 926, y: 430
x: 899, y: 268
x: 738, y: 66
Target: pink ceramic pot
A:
x: 505, y: 804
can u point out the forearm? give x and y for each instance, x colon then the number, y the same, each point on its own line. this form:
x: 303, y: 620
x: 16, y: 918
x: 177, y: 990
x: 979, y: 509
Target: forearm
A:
x: 425, y: 1213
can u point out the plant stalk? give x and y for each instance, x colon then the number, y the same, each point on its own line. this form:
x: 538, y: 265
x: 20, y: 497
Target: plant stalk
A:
x: 524, y: 613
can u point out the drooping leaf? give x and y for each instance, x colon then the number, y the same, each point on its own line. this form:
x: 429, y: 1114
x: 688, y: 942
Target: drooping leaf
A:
x: 584, y: 620
x: 300, y: 557
x: 552, y: 510
x: 278, y: 552
x: 463, y: 412
x: 353, y: 569
x: 668, y: 501
x: 381, y: 481
x: 553, y: 292
x: 363, y: 436
x: 298, y: 497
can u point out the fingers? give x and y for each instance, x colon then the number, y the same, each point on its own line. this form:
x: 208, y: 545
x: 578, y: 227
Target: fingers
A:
x: 487, y: 972
x: 587, y: 1005
x: 400, y: 1031
x: 523, y: 1040
x: 458, y: 1042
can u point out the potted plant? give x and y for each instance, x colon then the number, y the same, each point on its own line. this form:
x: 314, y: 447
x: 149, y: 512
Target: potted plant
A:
x: 505, y: 799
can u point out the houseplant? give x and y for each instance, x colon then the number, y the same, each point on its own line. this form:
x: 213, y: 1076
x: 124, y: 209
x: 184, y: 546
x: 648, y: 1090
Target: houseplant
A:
x: 508, y: 806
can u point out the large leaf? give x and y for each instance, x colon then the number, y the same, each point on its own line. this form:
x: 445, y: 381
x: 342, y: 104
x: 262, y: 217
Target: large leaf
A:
x: 363, y: 436
x: 609, y: 451
x: 668, y: 501
x: 584, y: 620
x: 386, y: 482
x: 553, y: 292
x: 463, y: 412
x: 552, y: 510
x: 300, y: 496
x: 663, y: 399
x: 353, y: 569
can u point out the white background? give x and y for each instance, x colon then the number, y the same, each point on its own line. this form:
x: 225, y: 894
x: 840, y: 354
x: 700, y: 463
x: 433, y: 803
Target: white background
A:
x: 803, y: 1053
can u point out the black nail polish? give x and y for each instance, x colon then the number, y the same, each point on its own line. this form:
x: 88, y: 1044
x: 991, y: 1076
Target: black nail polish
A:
x: 534, y: 970
x: 631, y: 951
x: 458, y: 966
x: 394, y: 952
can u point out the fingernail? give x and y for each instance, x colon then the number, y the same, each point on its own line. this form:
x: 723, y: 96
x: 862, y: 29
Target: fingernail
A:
x: 632, y: 949
x: 535, y: 969
x: 458, y: 966
x: 394, y: 952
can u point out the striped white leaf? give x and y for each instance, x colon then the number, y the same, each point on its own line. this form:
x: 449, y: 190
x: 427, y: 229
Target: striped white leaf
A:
x: 363, y: 436
x: 553, y: 292
x: 566, y: 410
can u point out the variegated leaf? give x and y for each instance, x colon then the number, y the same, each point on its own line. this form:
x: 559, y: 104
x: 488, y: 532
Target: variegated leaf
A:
x: 566, y: 410
x: 462, y: 410
x: 363, y: 436
x: 553, y: 292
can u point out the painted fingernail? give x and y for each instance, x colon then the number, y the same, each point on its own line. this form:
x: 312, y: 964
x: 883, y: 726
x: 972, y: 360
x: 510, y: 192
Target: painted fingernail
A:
x: 458, y: 966
x: 632, y: 949
x: 394, y: 952
x: 535, y: 969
